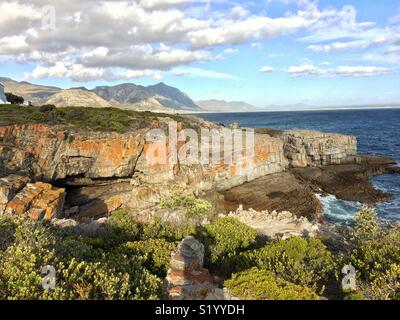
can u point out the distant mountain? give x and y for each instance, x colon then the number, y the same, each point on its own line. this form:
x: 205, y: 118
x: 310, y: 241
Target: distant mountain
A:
x: 171, y: 97
x: 77, y: 98
x: 226, y: 106
x: 30, y: 92
x: 161, y: 95
x: 122, y: 93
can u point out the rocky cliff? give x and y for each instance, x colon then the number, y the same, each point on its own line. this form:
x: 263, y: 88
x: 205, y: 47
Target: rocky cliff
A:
x: 306, y: 148
x: 105, y: 171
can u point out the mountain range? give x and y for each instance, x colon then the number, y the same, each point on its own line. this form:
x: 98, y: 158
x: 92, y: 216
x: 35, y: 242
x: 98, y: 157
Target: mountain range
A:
x: 159, y: 97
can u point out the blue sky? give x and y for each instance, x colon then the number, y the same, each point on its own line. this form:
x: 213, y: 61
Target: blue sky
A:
x: 271, y: 52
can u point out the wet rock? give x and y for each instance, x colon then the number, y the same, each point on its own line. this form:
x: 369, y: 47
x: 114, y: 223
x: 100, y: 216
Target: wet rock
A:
x: 349, y: 182
x: 276, y: 192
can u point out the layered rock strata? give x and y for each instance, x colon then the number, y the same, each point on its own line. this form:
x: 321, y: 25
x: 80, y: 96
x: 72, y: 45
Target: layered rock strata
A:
x: 106, y: 171
x: 306, y: 148
x: 37, y: 200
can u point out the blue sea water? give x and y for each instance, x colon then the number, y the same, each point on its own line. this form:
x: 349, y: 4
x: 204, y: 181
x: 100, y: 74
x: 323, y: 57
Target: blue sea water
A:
x: 377, y: 131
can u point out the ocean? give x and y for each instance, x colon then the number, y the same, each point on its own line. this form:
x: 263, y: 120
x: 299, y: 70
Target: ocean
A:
x: 377, y: 131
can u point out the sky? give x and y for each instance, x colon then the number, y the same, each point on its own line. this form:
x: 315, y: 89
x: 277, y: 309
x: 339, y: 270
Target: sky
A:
x: 265, y: 52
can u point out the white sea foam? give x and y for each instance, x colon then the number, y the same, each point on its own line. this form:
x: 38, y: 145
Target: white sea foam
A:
x: 338, y: 210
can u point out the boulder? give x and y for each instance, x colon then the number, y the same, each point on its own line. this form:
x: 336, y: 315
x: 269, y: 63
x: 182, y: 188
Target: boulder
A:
x: 37, y: 200
x: 187, y: 279
x: 9, y: 187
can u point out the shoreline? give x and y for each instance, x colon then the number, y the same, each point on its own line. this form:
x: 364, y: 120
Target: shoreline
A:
x: 299, y: 110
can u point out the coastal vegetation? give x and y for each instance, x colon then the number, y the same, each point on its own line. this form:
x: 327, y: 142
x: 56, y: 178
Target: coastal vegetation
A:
x: 129, y: 260
x: 95, y: 119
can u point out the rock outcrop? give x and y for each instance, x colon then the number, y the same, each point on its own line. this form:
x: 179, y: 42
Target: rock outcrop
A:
x: 281, y: 191
x: 9, y: 187
x: 105, y: 171
x: 276, y: 225
x: 187, y: 279
x: 37, y: 200
x: 311, y: 148
x: 54, y: 153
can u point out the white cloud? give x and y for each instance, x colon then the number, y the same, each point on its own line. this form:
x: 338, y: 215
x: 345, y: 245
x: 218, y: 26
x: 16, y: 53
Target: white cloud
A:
x: 143, y: 57
x: 266, y: 69
x: 395, y: 19
x: 162, y: 4
x: 352, y: 45
x: 239, y: 12
x: 352, y: 71
x: 254, y: 27
x: 123, y: 38
x: 231, y: 51
x: 203, y: 73
x: 78, y: 72
x: 256, y: 45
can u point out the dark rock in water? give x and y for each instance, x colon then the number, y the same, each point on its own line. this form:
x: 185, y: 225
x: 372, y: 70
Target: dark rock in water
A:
x: 350, y: 181
x: 275, y: 192
x: 295, y: 189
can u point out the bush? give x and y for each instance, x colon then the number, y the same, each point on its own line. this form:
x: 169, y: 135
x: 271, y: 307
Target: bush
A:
x: 156, y: 254
x: 96, y: 119
x: 121, y: 228
x: 163, y: 230
x: 14, y: 99
x: 305, y: 262
x: 367, y: 226
x: 194, y: 208
x: 355, y: 295
x: 47, y: 108
x: 376, y: 257
x: 83, y: 271
x: 224, y: 238
x: 258, y: 284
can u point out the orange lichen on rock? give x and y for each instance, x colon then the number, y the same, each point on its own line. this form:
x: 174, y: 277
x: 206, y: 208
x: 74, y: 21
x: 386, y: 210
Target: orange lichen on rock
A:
x: 38, y: 200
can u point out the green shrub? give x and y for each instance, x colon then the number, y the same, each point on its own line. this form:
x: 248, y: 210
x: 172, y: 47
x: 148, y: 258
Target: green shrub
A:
x: 83, y: 271
x: 224, y: 238
x: 156, y: 254
x: 354, y: 295
x: 194, y: 208
x: 258, y: 284
x: 163, y: 230
x: 367, y: 226
x: 14, y: 99
x: 376, y: 257
x: 96, y: 119
x: 47, y: 108
x: 305, y: 262
x: 122, y: 228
